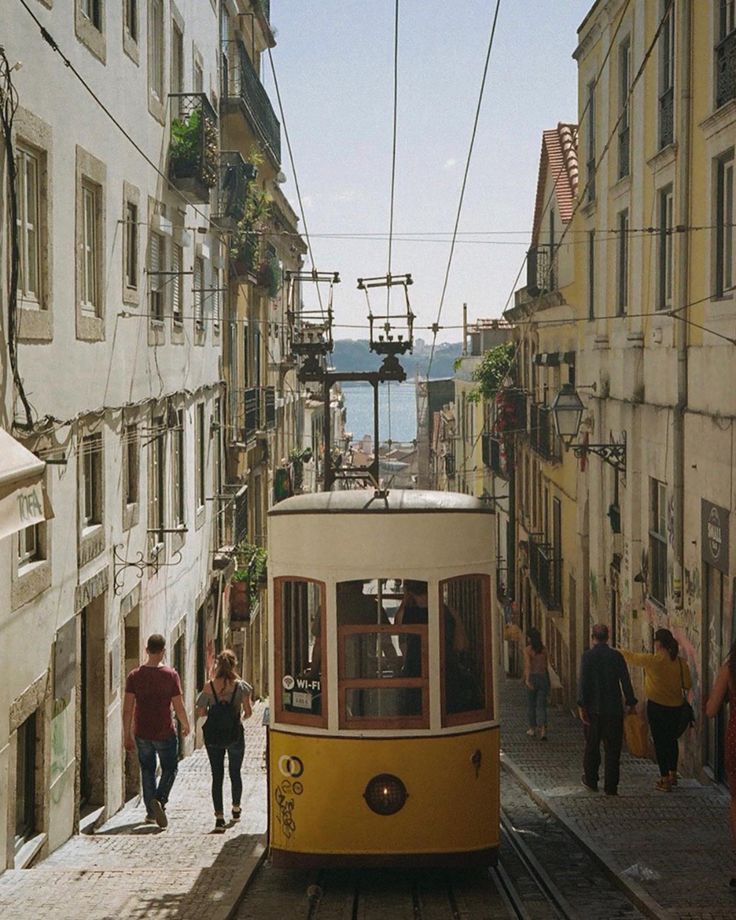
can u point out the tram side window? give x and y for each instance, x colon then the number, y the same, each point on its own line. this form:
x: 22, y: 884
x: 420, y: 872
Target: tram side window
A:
x: 382, y: 664
x: 301, y: 648
x: 465, y: 649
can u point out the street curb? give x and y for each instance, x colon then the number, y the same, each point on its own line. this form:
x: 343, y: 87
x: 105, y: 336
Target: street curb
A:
x: 641, y: 898
x: 241, y: 883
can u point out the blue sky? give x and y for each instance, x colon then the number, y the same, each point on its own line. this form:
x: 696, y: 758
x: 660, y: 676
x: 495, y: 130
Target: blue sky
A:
x: 334, y: 63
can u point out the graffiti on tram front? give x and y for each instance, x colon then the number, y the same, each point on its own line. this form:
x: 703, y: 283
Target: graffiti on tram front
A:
x: 284, y: 794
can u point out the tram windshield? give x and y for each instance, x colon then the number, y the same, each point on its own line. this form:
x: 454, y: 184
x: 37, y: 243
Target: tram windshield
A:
x: 465, y: 649
x: 382, y: 661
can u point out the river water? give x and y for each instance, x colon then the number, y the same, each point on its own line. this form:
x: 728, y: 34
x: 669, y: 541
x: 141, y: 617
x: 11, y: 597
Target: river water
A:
x: 397, y: 411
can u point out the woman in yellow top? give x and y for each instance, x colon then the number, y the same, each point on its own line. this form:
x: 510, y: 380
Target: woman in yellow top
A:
x: 665, y: 675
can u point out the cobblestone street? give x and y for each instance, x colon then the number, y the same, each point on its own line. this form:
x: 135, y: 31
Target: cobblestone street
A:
x: 670, y: 851
x: 680, y: 839
x: 130, y: 870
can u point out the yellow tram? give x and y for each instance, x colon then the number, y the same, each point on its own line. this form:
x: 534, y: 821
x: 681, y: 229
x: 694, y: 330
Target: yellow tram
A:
x: 383, y: 741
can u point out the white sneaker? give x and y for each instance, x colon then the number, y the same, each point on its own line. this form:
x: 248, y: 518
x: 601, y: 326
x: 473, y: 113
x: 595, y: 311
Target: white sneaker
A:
x: 531, y: 732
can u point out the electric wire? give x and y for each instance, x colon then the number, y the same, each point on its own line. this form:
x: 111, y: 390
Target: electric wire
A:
x: 464, y: 182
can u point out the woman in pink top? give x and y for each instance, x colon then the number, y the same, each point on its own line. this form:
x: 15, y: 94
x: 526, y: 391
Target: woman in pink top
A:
x: 536, y: 678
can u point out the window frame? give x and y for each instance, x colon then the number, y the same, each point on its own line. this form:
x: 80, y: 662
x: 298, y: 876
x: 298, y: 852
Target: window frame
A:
x: 724, y: 237
x: 131, y: 465
x: 486, y: 713
x: 624, y: 125
x: 130, y: 265
x: 26, y: 768
x: 622, y: 263
x: 177, y: 268
x: 198, y: 275
x: 156, y: 272
x: 178, y: 472
x: 591, y: 274
x: 666, y: 70
x: 92, y: 12
x: 130, y: 19
x: 24, y: 156
x: 91, y: 256
x: 665, y: 246
x: 591, y: 146
x: 26, y: 556
x: 282, y: 715
x: 92, y: 497
x: 156, y: 54
x: 658, y: 538
x: 200, y: 457
x: 157, y: 484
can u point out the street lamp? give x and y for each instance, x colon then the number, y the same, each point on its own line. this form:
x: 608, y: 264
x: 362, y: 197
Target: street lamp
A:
x: 567, y: 411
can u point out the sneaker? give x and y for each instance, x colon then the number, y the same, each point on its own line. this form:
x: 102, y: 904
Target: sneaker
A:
x: 150, y: 820
x: 591, y: 787
x: 237, y: 811
x: 663, y: 784
x: 531, y: 732
x: 159, y: 814
x: 219, y: 824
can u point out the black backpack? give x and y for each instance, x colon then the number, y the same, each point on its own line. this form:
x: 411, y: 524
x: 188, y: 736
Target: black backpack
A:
x: 222, y: 727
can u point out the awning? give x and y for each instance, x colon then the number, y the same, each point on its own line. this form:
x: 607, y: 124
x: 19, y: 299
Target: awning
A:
x: 23, y: 499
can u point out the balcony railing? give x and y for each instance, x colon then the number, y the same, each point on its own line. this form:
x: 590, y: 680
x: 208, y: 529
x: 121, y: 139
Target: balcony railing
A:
x: 542, y: 436
x: 492, y: 455
x: 252, y: 401
x: 242, y: 84
x: 270, y: 407
x: 666, y: 117
x: 726, y: 70
x: 193, y: 148
x: 545, y: 572
x: 234, y: 176
x: 541, y: 270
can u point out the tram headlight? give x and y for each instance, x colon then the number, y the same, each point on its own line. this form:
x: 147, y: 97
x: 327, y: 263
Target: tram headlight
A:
x: 385, y: 794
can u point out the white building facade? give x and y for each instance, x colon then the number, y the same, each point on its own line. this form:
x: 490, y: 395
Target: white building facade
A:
x: 116, y: 326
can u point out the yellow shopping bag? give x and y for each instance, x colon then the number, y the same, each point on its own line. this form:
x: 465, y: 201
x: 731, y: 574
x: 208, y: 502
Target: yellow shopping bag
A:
x: 636, y: 732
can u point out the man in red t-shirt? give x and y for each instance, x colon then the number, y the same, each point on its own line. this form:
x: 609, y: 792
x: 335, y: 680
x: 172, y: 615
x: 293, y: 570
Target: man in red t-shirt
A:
x: 150, y: 692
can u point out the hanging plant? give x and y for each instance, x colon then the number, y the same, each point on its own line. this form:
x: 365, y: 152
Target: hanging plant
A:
x: 495, y: 366
x: 270, y: 275
x: 193, y: 151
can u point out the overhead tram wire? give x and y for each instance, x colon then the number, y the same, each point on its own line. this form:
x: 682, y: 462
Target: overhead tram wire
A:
x: 296, y: 179
x: 51, y: 41
x: 464, y: 184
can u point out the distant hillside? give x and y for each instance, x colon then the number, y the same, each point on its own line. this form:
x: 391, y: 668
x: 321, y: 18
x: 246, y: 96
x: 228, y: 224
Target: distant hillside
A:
x: 353, y: 355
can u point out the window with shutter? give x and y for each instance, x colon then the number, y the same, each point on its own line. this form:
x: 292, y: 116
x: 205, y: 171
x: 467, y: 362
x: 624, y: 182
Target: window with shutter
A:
x: 176, y: 268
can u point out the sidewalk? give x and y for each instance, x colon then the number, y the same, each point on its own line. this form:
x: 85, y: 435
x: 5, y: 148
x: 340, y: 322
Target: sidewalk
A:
x: 130, y: 870
x: 681, y: 837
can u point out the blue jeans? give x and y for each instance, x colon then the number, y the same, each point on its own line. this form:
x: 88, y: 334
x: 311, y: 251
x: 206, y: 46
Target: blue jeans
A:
x: 168, y: 755
x: 537, y: 700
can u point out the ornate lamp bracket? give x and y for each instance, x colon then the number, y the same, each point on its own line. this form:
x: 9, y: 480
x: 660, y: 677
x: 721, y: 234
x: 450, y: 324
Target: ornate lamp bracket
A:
x: 140, y: 564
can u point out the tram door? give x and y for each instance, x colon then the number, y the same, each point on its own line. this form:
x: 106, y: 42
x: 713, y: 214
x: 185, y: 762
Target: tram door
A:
x: 715, y: 729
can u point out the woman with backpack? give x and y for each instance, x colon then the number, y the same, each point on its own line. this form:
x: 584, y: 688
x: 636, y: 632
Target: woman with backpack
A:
x: 224, y: 700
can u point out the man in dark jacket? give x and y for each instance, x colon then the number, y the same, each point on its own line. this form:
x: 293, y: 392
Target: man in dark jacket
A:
x: 604, y: 680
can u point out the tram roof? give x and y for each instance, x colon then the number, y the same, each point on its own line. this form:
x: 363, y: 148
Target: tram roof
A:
x: 365, y: 501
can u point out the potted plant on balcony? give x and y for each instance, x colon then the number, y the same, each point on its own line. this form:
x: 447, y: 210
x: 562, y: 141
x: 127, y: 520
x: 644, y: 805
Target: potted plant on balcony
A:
x: 250, y: 573
x: 245, y: 243
x: 270, y: 275
x: 193, y: 151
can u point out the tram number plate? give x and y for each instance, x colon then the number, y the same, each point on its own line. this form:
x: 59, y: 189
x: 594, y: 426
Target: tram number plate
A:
x: 301, y: 700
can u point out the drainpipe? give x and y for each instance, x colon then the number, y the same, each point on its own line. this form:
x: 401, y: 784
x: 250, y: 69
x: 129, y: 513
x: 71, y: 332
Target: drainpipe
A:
x: 465, y: 329
x: 681, y: 328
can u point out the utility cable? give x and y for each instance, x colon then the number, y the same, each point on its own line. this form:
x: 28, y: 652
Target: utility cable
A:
x: 464, y: 182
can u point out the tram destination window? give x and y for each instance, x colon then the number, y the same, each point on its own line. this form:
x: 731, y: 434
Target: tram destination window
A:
x: 382, y: 662
x: 465, y: 649
x: 301, y: 657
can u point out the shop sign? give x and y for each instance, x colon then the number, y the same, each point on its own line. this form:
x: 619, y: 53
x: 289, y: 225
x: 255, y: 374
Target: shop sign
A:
x: 714, y: 535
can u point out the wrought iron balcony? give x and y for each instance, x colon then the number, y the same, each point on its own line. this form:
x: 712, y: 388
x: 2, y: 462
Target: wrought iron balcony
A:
x: 234, y: 177
x: 542, y: 436
x: 193, y: 147
x: 252, y: 401
x: 242, y: 85
x: 666, y: 117
x: 541, y: 270
x: 545, y: 572
x: 726, y: 70
x: 270, y: 407
x: 492, y: 455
